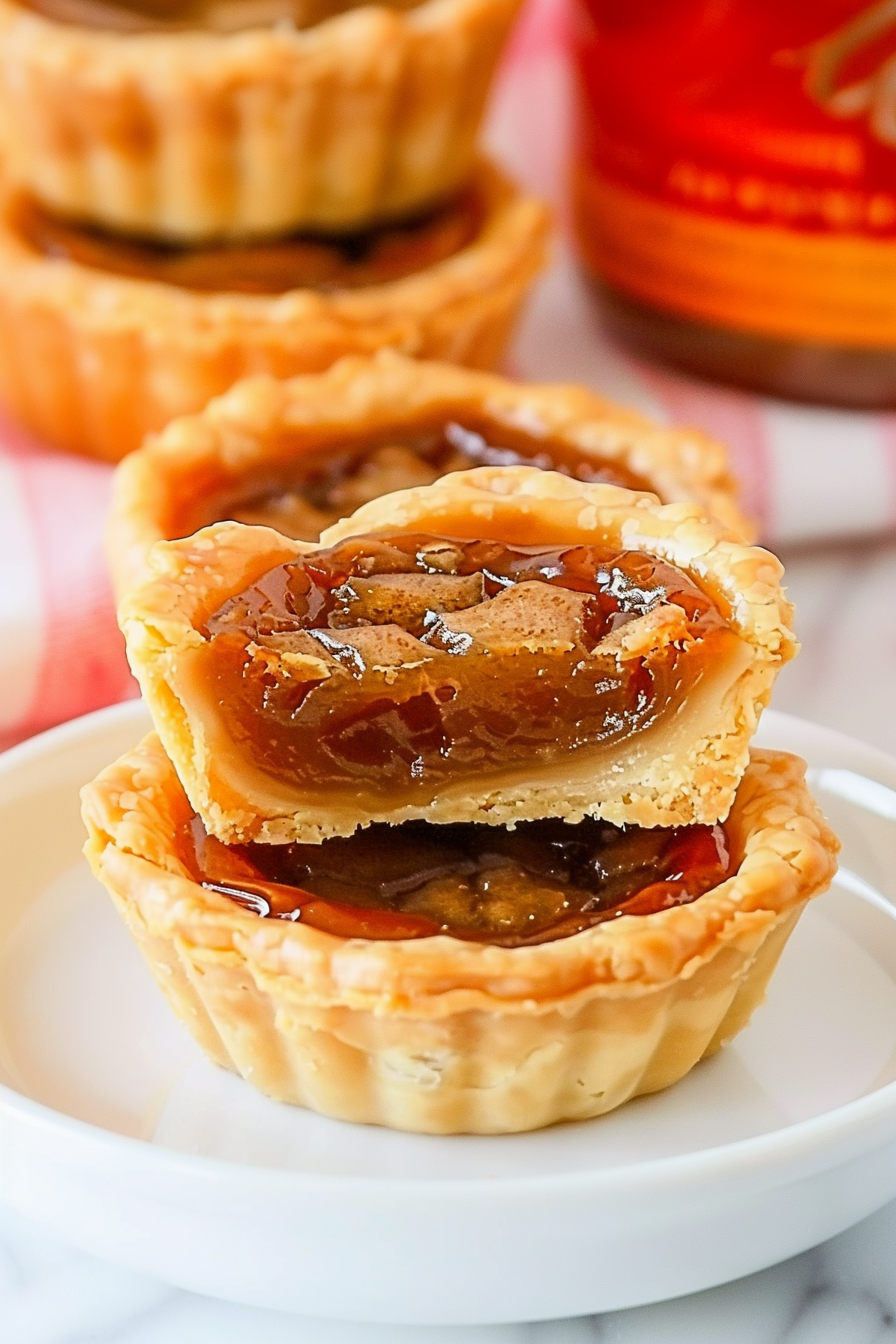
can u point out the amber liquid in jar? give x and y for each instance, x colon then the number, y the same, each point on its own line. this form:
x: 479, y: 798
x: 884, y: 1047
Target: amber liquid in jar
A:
x: 735, y: 189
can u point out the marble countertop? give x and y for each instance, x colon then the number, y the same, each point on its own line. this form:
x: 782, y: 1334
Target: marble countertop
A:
x: 841, y: 1293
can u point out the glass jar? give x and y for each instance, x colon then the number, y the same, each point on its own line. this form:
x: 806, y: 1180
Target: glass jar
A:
x: 735, y: 187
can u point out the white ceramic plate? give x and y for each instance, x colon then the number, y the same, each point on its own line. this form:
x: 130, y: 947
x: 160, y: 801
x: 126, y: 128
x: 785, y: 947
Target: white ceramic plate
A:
x: 116, y: 1132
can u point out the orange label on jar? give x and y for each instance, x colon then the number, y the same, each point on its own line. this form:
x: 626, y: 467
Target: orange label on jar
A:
x: 737, y: 162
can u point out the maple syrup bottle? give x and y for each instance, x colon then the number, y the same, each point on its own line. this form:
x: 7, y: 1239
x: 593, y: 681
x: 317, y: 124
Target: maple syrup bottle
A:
x: 735, y: 188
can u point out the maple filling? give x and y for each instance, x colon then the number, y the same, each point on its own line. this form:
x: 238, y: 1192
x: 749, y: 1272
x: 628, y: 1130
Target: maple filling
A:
x: 541, y: 881
x: 223, y: 16
x: 331, y: 483
x: 270, y: 266
x: 400, y: 664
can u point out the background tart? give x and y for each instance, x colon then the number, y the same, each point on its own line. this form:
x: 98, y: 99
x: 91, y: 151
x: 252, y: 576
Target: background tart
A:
x: 369, y: 115
x: 683, y: 767
x: 92, y: 360
x: 441, y: 1035
x: 297, y: 455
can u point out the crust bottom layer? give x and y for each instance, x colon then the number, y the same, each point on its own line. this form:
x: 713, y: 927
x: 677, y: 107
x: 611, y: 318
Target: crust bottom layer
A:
x: 440, y: 1036
x: 477, y: 1072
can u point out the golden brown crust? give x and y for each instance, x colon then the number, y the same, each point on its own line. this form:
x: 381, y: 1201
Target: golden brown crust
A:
x: 93, y: 362
x: 684, y: 769
x: 261, y: 427
x: 192, y: 135
x: 443, y: 1035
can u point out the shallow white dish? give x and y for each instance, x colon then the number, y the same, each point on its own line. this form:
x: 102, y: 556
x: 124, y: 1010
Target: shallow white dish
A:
x: 116, y: 1132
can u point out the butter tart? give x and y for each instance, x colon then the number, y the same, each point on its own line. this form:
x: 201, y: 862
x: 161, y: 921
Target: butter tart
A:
x: 189, y: 121
x: 103, y: 340
x: 324, y: 985
x: 503, y: 645
x: 298, y: 455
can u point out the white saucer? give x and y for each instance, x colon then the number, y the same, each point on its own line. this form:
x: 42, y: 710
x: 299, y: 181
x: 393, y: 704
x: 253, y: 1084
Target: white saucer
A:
x: 116, y: 1132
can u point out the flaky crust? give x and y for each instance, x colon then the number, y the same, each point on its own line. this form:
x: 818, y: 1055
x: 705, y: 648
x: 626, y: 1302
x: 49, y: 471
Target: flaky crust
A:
x: 685, y: 769
x: 193, y: 135
x: 263, y: 426
x: 444, y: 1036
x: 92, y: 362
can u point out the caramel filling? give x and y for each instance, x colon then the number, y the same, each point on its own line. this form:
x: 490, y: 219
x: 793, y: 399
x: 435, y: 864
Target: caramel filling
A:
x: 331, y: 483
x: 541, y: 881
x: 220, y: 16
x: 274, y: 266
x: 404, y: 663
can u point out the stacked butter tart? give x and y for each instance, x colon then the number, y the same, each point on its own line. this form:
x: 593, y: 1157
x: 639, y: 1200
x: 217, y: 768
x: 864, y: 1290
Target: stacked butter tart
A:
x: 198, y: 190
x: 450, y: 821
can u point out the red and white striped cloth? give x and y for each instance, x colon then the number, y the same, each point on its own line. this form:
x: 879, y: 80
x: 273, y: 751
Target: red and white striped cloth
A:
x: 806, y: 474
x: 60, y: 650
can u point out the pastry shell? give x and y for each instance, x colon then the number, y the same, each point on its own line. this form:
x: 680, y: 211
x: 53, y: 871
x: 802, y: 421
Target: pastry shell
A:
x: 93, y: 361
x: 262, y: 429
x: 444, y: 1036
x: 683, y: 769
x: 194, y: 135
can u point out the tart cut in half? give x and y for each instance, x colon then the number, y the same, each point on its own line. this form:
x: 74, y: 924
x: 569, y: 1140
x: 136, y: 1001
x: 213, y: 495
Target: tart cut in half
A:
x: 503, y: 645
x: 373, y: 979
x: 299, y: 455
x: 104, y: 339
x: 189, y: 120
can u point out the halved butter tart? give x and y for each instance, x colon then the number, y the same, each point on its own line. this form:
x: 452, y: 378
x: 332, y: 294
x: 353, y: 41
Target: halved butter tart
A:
x: 105, y: 338
x: 461, y: 978
x: 297, y: 455
x: 504, y: 645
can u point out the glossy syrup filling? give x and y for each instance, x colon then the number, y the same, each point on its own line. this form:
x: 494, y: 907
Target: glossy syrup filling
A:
x: 331, y: 483
x: 272, y: 266
x: 404, y: 663
x: 222, y: 16
x: 542, y: 881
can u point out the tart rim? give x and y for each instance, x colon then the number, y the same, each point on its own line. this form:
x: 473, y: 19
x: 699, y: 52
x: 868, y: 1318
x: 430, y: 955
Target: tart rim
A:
x: 786, y: 854
x: 250, y: 427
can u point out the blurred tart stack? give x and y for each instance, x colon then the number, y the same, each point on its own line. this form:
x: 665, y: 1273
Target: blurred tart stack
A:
x: 200, y: 191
